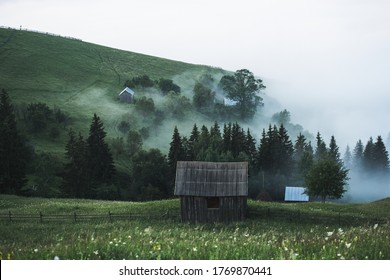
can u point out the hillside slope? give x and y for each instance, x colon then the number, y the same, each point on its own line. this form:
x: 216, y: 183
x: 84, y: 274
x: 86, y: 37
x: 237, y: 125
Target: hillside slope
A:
x: 80, y: 78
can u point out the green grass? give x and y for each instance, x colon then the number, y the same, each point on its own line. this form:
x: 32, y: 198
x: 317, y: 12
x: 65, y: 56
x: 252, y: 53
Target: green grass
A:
x: 256, y: 238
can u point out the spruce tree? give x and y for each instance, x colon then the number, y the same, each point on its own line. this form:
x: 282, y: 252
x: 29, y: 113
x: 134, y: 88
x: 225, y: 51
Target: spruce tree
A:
x: 227, y: 138
x: 176, y: 151
x: 192, y: 143
x: 321, y: 150
x: 368, y: 156
x: 286, y: 152
x: 333, y: 152
x: 99, y: 158
x: 75, y: 176
x: 14, y: 154
x: 348, y: 158
x: 357, y: 157
x: 250, y: 149
x: 381, y: 156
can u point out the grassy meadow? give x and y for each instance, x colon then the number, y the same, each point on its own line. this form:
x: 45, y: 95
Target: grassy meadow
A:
x: 82, y: 78
x: 312, y: 236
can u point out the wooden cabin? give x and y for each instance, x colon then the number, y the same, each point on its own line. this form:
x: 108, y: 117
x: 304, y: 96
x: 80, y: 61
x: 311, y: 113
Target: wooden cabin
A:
x: 212, y: 192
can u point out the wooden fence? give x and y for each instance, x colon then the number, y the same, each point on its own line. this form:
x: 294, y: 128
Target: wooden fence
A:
x: 76, y: 217
x: 300, y: 216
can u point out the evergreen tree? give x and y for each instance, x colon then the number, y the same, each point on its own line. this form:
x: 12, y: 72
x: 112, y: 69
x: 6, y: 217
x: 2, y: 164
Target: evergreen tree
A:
x: 299, y: 147
x: 368, y: 155
x: 192, y: 143
x: 75, y: 175
x: 250, y: 150
x: 99, y: 158
x: 286, y: 152
x: 321, y: 150
x: 203, y: 143
x: 381, y: 156
x: 357, y: 158
x: 238, y: 140
x: 14, y: 154
x: 215, y: 141
x: 176, y: 151
x: 227, y: 138
x: 348, y: 158
x: 333, y: 152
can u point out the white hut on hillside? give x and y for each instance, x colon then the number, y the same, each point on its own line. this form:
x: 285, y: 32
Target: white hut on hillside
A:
x: 127, y: 95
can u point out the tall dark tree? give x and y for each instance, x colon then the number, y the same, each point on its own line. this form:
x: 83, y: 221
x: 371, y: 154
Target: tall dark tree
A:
x: 368, y: 155
x: 357, y: 157
x: 381, y: 156
x: 75, y: 175
x: 14, y: 154
x: 286, y: 152
x: 227, y: 137
x: 99, y: 158
x: 192, y: 143
x: 176, y: 151
x: 243, y: 88
x: 321, y: 150
x: 238, y: 140
x: 250, y: 150
x: 333, y: 152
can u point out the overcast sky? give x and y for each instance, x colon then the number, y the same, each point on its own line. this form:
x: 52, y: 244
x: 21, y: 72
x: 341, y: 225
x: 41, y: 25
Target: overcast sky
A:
x: 326, y: 61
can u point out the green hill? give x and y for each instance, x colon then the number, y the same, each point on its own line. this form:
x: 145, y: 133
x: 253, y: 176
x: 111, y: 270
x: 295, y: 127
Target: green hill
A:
x: 81, y: 79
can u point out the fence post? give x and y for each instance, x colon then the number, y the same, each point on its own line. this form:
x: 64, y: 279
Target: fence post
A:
x: 40, y: 216
x: 10, y: 216
x: 339, y: 218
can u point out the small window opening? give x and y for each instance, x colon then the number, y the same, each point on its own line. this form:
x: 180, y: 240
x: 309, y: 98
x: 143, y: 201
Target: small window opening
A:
x: 213, y: 202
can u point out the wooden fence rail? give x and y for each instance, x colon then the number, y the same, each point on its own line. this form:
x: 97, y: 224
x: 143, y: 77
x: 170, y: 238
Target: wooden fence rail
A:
x: 298, y: 216
x: 76, y: 217
x: 315, y: 217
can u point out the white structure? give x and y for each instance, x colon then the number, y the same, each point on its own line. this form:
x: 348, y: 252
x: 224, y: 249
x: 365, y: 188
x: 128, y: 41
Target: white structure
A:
x: 229, y: 102
x: 295, y: 194
x: 127, y: 95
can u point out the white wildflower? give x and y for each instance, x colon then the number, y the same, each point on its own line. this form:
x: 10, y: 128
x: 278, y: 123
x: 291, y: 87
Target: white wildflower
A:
x: 329, y: 233
x: 375, y: 226
x: 348, y: 245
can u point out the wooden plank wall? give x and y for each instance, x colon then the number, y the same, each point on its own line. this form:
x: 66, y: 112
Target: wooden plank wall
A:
x: 194, y: 209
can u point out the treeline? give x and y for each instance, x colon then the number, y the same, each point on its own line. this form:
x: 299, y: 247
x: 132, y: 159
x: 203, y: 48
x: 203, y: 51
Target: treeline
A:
x: 89, y: 169
x: 277, y: 161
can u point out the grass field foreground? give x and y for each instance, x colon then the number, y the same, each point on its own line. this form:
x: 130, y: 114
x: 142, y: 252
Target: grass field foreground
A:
x: 256, y: 238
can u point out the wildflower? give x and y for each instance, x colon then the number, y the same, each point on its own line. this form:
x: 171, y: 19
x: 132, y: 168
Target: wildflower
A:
x: 348, y: 245
x: 110, y: 242
x: 96, y: 252
x: 156, y: 247
x: 329, y: 233
x: 194, y: 249
x: 35, y: 250
x: 375, y: 226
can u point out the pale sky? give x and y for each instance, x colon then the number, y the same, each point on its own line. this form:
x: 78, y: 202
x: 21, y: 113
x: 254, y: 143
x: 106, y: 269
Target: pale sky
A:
x: 326, y: 61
